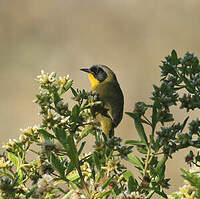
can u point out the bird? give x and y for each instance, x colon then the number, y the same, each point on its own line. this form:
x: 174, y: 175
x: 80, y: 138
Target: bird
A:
x: 104, y: 81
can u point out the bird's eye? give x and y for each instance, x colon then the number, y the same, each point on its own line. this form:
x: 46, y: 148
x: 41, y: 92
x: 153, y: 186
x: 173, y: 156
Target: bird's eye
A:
x: 98, y: 73
x: 100, y: 70
x: 94, y: 69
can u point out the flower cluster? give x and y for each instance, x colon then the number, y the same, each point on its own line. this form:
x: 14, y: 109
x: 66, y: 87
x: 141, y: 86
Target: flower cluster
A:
x: 191, y: 186
x: 57, y: 144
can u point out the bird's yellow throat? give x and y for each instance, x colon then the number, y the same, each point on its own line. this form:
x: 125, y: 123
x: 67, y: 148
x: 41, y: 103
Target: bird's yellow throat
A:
x: 94, y: 82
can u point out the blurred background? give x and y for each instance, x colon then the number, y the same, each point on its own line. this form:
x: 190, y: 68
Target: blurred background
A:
x: 130, y: 36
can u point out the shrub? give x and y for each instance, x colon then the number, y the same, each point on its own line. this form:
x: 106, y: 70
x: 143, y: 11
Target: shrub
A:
x: 47, y: 161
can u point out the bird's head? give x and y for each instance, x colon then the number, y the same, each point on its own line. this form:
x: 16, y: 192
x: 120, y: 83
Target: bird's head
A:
x: 99, y: 74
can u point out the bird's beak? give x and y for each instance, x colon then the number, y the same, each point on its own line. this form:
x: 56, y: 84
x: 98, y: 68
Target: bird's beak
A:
x: 85, y: 70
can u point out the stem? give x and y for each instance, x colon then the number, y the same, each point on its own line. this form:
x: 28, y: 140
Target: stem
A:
x: 147, y: 119
x: 195, y: 164
x: 83, y: 182
x: 123, y: 191
x: 146, y: 163
x: 37, y: 153
x: 148, y: 159
x: 158, y: 153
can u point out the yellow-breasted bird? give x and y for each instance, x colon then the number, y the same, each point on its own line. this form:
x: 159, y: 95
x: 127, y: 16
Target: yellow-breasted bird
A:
x: 104, y: 82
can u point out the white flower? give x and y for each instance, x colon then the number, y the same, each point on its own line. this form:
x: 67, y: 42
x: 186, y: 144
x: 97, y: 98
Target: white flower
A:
x: 64, y: 119
x: 45, y: 77
x: 42, y: 77
x: 63, y: 80
x: 36, y: 127
x: 27, y: 131
x: 23, y: 138
x: 45, y: 182
x: 4, y: 163
x: 10, y: 144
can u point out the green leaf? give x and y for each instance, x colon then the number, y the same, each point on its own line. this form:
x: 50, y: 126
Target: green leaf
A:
x: 150, y: 194
x: 188, y: 86
x: 142, y: 149
x: 57, y: 165
x: 135, y: 160
x: 161, y: 193
x: 81, y: 147
x: 70, y: 168
x: 68, y: 195
x: 20, y: 176
x: 132, y: 185
x: 154, y: 118
x: 73, y: 176
x: 106, y: 194
x: 134, y: 142
x: 96, y: 160
x: 56, y: 97
x: 29, y: 194
x: 107, y: 182
x: 156, y: 145
x: 45, y: 134
x: 61, y: 135
x: 17, y: 161
x: 66, y: 87
x: 14, y: 159
x: 174, y: 57
x: 140, y: 129
x: 184, y: 123
x: 74, y: 92
x: 133, y: 115
x: 160, y: 168
x: 114, y: 195
x: 132, y: 182
x: 87, y: 131
x: 72, y: 151
x: 191, y: 177
x: 75, y: 113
